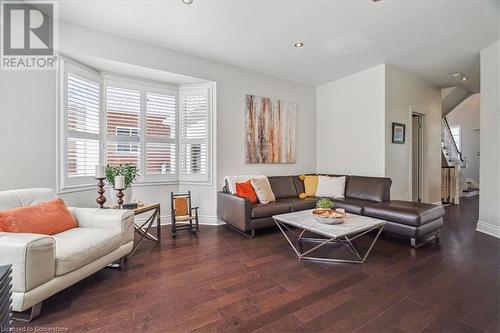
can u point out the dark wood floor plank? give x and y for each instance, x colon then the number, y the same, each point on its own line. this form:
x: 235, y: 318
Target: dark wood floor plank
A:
x: 405, y: 316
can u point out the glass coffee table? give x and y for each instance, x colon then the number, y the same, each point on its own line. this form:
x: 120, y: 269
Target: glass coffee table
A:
x: 353, y: 227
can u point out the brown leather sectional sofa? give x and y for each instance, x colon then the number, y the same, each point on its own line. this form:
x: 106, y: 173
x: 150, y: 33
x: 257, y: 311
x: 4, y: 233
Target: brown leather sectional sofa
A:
x: 368, y: 196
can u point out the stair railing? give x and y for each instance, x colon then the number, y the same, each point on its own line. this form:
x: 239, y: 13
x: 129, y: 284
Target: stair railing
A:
x: 449, y: 143
x: 456, y: 178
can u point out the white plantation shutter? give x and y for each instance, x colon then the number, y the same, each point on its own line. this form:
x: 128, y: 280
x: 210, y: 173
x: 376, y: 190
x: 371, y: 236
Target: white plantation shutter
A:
x: 164, y: 131
x: 194, y: 134
x: 82, y: 125
x: 82, y: 104
x: 83, y: 156
x: 123, y: 125
x: 161, y: 118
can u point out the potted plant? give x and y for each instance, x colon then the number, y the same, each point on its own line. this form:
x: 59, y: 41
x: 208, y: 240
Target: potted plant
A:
x: 129, y: 173
x: 324, y: 204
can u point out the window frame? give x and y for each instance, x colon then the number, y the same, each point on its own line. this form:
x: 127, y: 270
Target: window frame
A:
x: 155, y: 178
x: 194, y: 90
x: 65, y: 184
x: 143, y: 87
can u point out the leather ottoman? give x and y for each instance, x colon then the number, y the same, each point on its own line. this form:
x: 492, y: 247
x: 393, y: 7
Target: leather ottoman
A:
x: 419, y: 221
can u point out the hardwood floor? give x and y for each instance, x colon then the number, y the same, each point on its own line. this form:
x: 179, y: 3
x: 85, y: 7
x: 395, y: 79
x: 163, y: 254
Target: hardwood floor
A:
x: 221, y: 281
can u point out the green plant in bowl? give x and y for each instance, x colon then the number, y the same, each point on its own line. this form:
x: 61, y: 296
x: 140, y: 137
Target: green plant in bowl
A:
x: 324, y: 204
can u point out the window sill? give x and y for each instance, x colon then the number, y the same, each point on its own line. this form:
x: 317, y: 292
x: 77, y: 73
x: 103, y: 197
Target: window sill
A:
x: 90, y: 187
x: 77, y: 188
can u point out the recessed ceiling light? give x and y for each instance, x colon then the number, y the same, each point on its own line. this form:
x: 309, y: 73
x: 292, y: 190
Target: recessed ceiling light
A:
x: 187, y: 2
x: 464, y: 78
x: 298, y: 44
x: 456, y: 75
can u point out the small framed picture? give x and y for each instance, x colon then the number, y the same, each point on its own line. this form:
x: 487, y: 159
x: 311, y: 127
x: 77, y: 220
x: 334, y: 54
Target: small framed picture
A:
x: 398, y: 133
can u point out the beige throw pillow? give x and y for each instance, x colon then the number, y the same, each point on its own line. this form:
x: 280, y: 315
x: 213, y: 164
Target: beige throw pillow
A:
x: 330, y: 187
x: 263, y: 190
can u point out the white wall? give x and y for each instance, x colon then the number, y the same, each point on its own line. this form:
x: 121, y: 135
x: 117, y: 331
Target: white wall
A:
x: 489, y: 198
x: 451, y: 96
x: 467, y: 116
x: 27, y: 127
x: 350, y: 124
x: 407, y: 93
x: 31, y: 96
x: 354, y: 128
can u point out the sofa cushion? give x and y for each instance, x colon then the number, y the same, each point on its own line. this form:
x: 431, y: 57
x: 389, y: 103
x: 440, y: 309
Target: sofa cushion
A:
x: 270, y: 209
x: 354, y: 206
x: 412, y: 231
x: 376, y: 189
x: 299, y: 184
x: 79, y: 246
x: 283, y: 187
x: 262, y: 223
x: 405, y: 212
x: 300, y: 204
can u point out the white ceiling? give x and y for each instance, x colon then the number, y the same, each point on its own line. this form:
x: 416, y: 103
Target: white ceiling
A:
x: 429, y: 37
x: 133, y: 71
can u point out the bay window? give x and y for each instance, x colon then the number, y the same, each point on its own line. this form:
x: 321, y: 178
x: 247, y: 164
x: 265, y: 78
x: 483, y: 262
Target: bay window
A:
x: 163, y: 130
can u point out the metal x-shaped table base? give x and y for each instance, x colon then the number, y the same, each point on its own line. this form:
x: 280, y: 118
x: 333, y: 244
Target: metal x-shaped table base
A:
x: 143, y: 230
x: 345, y: 241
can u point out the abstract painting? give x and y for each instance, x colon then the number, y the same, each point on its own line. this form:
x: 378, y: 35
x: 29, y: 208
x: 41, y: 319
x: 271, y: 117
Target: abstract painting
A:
x: 269, y: 130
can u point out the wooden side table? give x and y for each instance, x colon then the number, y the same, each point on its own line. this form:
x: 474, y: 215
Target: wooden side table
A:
x: 143, y: 229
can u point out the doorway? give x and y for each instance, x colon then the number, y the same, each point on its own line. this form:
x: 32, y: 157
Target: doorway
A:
x: 416, y: 156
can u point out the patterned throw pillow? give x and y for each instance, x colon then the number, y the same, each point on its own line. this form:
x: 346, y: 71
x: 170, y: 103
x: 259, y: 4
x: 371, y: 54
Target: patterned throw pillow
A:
x: 263, y: 190
x: 310, y: 185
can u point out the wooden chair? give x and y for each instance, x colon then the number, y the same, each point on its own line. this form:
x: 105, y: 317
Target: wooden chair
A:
x: 183, y: 215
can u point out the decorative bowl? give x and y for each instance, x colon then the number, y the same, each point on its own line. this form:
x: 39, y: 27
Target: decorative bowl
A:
x: 328, y: 216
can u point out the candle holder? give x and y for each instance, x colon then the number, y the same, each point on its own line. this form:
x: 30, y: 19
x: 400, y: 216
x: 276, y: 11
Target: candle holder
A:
x: 120, y: 196
x: 101, y: 199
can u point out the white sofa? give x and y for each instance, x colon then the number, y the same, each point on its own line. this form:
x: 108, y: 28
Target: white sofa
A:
x: 43, y: 265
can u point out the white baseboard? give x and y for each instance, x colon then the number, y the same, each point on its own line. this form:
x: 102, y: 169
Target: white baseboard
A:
x: 439, y: 203
x: 488, y: 228
x: 204, y: 220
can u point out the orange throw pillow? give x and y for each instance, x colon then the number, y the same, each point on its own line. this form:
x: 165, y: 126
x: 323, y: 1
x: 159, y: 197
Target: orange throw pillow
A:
x: 246, y: 190
x: 48, y: 218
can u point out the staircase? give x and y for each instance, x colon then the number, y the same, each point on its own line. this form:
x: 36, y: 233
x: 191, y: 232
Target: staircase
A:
x: 453, y: 167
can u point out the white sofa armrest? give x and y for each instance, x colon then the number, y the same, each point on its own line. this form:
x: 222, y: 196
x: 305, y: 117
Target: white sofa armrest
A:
x: 32, y: 257
x: 120, y: 219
